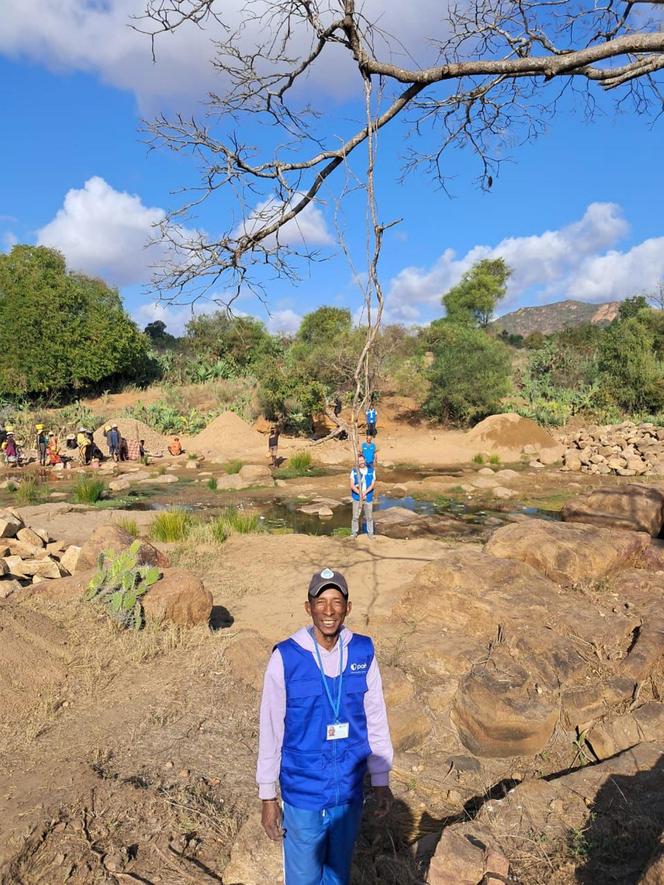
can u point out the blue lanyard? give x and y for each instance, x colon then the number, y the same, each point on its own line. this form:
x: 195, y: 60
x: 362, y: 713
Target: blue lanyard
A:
x: 335, y: 707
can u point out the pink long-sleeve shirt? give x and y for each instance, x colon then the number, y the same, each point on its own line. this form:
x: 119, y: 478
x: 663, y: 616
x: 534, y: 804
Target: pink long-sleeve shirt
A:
x: 273, y: 712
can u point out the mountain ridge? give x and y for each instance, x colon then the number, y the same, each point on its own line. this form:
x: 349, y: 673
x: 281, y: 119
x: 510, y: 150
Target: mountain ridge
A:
x: 549, y: 318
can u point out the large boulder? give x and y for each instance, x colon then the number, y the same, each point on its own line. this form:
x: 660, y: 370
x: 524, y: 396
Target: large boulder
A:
x: 654, y: 874
x: 501, y: 709
x: 567, y: 553
x: 178, y: 598
x: 66, y: 589
x: 633, y: 506
x: 9, y: 525
x: 409, y: 722
x: 256, y: 474
x: 113, y: 539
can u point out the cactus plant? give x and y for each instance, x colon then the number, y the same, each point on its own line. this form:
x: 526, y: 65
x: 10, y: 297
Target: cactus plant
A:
x: 119, y: 583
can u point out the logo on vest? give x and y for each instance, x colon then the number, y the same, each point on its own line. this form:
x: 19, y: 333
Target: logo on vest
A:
x: 355, y: 667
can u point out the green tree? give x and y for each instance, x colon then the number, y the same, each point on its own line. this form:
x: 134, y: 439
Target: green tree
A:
x: 630, y: 307
x: 241, y: 341
x: 62, y: 333
x: 469, y: 375
x: 160, y: 338
x: 630, y: 368
x: 473, y: 300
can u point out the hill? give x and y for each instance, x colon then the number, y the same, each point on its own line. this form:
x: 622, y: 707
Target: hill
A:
x: 553, y: 317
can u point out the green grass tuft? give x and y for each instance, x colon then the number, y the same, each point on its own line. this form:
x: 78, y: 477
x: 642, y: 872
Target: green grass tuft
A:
x: 239, y: 522
x: 233, y: 466
x: 494, y: 459
x: 300, y: 461
x: 343, y: 531
x: 171, y: 525
x: 212, y: 484
x: 31, y: 491
x: 478, y: 459
x: 89, y: 490
x: 129, y: 525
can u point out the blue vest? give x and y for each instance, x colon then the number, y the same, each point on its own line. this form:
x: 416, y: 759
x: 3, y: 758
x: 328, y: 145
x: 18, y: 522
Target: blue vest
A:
x: 369, y: 452
x: 368, y: 479
x: 317, y: 773
x: 371, y: 416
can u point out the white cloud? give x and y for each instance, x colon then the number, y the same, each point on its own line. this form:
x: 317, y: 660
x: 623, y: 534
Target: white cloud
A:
x: 285, y: 322
x: 308, y: 229
x: 572, y: 262
x: 95, y: 35
x: 106, y: 233
x: 9, y: 240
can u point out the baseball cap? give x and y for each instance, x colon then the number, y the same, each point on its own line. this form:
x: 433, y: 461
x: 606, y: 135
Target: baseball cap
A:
x: 327, y: 577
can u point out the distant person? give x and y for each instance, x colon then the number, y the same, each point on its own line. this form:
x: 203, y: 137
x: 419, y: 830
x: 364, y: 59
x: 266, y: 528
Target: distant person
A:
x: 83, y: 445
x: 41, y: 443
x: 113, y: 440
x: 52, y: 450
x: 175, y: 448
x: 273, y: 445
x: 337, y: 407
x: 142, y: 454
x: 372, y: 417
x: 11, y: 450
x: 124, y: 449
x: 369, y: 451
x: 362, y: 484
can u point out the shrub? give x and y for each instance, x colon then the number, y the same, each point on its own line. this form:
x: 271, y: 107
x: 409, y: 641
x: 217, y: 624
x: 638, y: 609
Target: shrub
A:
x: 171, y: 525
x: 478, y: 459
x: 212, y: 484
x: 494, y: 459
x: 119, y: 583
x: 89, y: 490
x: 233, y: 466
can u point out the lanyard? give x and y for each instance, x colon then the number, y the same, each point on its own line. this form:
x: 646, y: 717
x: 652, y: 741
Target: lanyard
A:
x: 335, y: 707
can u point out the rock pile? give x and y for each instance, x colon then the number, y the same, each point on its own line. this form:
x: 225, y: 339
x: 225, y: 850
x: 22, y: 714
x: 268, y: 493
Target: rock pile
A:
x: 626, y: 449
x: 29, y: 555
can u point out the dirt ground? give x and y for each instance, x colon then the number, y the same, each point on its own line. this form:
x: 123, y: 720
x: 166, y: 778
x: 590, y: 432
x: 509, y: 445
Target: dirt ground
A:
x: 131, y: 757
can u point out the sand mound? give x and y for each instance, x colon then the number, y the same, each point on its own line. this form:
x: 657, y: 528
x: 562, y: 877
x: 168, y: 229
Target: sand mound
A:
x: 510, y: 431
x: 131, y: 428
x: 32, y: 655
x: 228, y: 436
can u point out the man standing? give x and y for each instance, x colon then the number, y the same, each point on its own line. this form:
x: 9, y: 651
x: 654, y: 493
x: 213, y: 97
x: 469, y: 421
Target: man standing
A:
x: 273, y: 445
x: 323, y: 724
x: 369, y: 451
x: 113, y: 438
x: 41, y: 442
x: 362, y: 484
x: 372, y: 418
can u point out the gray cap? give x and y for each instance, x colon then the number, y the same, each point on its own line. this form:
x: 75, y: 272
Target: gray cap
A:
x: 327, y: 577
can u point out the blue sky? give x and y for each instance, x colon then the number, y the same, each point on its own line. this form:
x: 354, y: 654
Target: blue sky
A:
x: 577, y: 213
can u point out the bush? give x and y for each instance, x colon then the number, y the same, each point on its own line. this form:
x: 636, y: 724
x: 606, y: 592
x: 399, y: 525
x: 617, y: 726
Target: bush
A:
x: 234, y: 521
x: 469, y: 375
x: 212, y: 484
x: 171, y: 525
x: 89, y: 490
x: 118, y: 585
x: 478, y: 459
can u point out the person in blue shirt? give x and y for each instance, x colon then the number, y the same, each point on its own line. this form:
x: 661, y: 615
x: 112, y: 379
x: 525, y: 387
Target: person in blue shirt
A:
x: 362, y: 484
x: 372, y: 417
x: 369, y: 451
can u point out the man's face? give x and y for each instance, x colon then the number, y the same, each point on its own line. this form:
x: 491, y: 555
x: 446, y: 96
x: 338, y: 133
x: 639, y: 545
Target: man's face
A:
x: 361, y: 461
x: 369, y: 438
x: 328, y: 611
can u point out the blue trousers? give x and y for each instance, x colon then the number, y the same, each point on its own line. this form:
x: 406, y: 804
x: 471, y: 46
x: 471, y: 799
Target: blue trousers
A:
x: 318, y: 845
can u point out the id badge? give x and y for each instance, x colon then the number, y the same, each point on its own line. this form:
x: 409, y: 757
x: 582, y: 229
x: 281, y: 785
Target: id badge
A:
x: 337, y: 731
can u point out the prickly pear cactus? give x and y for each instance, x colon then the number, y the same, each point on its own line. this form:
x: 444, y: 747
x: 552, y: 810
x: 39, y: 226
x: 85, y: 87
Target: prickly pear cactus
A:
x: 119, y: 583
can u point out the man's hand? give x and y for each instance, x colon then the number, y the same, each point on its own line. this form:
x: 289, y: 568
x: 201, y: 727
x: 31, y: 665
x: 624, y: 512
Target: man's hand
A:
x: 384, y: 800
x: 271, y: 819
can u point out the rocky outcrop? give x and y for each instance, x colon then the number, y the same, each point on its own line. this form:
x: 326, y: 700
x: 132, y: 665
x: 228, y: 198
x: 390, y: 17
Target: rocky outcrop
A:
x: 567, y: 553
x: 626, y: 449
x: 633, y: 506
x: 460, y: 860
